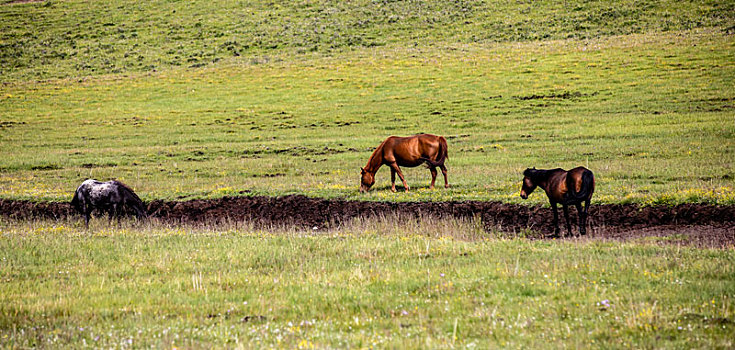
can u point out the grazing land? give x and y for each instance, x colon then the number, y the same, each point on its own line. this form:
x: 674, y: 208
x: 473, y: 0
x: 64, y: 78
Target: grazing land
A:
x: 243, y: 124
x: 376, y: 283
x: 647, y: 105
x: 63, y: 39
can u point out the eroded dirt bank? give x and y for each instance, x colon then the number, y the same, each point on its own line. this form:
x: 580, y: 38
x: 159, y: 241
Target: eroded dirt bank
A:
x: 611, y: 220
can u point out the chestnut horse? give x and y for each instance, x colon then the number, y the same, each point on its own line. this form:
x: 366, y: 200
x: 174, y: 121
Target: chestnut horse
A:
x: 410, y: 152
x: 563, y: 187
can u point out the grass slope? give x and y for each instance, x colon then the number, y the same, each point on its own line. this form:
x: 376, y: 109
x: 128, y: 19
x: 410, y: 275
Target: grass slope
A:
x: 59, y: 39
x: 652, y: 115
x: 357, y: 287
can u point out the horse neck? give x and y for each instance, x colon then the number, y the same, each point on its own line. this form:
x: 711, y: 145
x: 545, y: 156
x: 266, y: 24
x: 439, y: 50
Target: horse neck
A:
x: 376, y: 160
x: 541, y: 179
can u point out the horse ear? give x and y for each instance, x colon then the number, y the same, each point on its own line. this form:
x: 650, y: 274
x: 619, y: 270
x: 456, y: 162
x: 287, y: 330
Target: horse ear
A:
x: 362, y: 170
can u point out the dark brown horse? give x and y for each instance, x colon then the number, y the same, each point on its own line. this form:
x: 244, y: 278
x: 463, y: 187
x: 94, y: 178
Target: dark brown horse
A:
x: 410, y: 152
x: 563, y: 187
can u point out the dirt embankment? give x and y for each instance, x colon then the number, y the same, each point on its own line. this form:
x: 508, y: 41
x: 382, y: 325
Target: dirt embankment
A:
x: 611, y: 220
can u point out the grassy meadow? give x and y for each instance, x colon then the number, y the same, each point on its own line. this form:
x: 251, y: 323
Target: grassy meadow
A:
x: 372, y: 284
x: 205, y: 99
x: 639, y: 95
x: 652, y: 115
x: 62, y: 39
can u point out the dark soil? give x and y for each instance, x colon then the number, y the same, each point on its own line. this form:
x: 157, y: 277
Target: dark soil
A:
x: 22, y: 2
x: 699, y: 224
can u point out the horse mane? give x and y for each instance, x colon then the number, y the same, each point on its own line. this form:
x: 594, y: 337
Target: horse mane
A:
x: 537, y: 175
x: 124, y: 186
x: 370, y: 167
x: 130, y: 195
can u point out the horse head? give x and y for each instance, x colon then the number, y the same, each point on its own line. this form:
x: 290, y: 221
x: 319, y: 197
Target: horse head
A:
x: 528, y: 184
x: 367, y: 181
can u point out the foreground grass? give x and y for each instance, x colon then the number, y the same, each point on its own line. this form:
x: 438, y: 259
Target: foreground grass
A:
x: 374, y: 283
x: 651, y: 114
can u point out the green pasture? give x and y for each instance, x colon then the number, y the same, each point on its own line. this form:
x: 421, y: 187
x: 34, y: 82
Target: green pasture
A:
x: 650, y: 114
x: 205, y: 99
x: 389, y: 283
x: 55, y: 39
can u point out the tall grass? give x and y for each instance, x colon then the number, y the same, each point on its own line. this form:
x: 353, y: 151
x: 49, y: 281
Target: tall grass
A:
x: 382, y: 283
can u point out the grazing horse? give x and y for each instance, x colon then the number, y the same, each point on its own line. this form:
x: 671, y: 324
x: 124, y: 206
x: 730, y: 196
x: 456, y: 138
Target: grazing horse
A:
x: 111, y: 196
x: 409, y: 152
x: 563, y: 187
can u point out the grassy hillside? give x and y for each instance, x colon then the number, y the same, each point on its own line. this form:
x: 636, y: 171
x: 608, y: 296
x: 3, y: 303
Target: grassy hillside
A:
x: 58, y: 39
x: 373, y: 284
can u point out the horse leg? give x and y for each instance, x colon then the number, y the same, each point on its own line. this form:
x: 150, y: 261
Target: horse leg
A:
x: 581, y: 219
x: 85, y: 211
x: 444, y: 172
x: 392, y: 179
x: 395, y: 167
x: 586, y: 209
x: 110, y: 213
x: 433, y: 177
x: 118, y: 213
x: 566, y: 217
x: 556, y: 219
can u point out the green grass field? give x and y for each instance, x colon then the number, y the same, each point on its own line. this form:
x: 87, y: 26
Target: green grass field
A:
x: 357, y: 287
x: 205, y: 99
x: 651, y: 115
x: 61, y: 39
x: 642, y: 97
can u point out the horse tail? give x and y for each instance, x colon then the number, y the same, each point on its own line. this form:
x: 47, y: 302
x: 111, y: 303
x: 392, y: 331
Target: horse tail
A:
x: 132, y: 199
x: 76, y: 201
x: 588, y: 186
x: 442, y: 154
x: 443, y: 150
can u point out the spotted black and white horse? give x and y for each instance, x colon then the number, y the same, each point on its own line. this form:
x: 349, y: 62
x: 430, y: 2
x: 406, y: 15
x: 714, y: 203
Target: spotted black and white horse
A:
x: 111, y: 197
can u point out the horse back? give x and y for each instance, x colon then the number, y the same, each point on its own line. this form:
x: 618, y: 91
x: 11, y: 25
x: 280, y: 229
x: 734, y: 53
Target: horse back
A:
x: 435, y: 151
x: 410, y: 151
